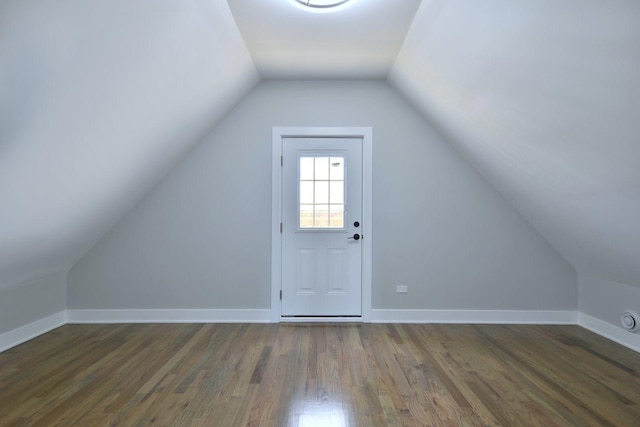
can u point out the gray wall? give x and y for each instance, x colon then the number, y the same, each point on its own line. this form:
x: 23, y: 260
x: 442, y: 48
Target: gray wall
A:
x: 24, y: 303
x: 201, y: 238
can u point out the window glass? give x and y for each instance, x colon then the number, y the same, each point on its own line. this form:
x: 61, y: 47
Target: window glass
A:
x: 321, y: 198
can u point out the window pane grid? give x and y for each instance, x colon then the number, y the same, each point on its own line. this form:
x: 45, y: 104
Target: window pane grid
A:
x: 321, y: 198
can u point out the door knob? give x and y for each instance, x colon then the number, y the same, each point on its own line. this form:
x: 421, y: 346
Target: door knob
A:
x: 355, y: 237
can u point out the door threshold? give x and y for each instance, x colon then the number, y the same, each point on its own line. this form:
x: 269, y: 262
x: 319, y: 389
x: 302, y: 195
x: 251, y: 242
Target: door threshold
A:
x: 321, y: 319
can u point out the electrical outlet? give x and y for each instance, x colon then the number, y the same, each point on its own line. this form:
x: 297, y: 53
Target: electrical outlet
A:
x: 402, y: 289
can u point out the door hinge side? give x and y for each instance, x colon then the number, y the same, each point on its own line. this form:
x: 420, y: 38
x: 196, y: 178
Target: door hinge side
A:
x: 280, y: 228
x: 280, y: 294
x: 281, y: 160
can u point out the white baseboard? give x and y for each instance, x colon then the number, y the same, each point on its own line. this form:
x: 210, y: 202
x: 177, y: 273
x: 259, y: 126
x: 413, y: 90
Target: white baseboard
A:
x: 27, y: 332
x: 612, y: 332
x: 169, y: 316
x: 475, y: 316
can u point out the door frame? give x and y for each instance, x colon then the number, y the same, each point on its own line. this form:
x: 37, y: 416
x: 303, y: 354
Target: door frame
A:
x: 278, y: 134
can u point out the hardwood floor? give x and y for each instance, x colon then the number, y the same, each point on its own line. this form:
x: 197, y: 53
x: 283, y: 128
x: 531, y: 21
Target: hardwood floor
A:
x: 319, y: 375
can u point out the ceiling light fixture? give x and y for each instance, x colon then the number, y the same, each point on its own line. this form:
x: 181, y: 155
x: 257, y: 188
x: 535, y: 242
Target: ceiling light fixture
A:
x: 322, y: 4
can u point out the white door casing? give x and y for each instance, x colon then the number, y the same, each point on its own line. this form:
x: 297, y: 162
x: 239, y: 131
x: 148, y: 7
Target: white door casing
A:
x: 319, y: 269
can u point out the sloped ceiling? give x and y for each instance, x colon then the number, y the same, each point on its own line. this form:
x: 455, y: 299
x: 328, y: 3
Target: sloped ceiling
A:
x: 543, y: 98
x: 98, y: 99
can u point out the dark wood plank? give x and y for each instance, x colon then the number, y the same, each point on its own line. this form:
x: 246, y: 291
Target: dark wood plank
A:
x: 327, y: 374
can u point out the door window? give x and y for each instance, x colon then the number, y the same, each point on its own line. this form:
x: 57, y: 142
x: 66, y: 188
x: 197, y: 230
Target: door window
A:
x: 321, y: 192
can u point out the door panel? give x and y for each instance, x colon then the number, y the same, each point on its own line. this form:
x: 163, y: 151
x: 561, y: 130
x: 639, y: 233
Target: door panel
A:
x: 306, y: 271
x: 321, y: 202
x: 337, y: 271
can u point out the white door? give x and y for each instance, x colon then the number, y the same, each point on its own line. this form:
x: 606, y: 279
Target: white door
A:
x: 321, y: 227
